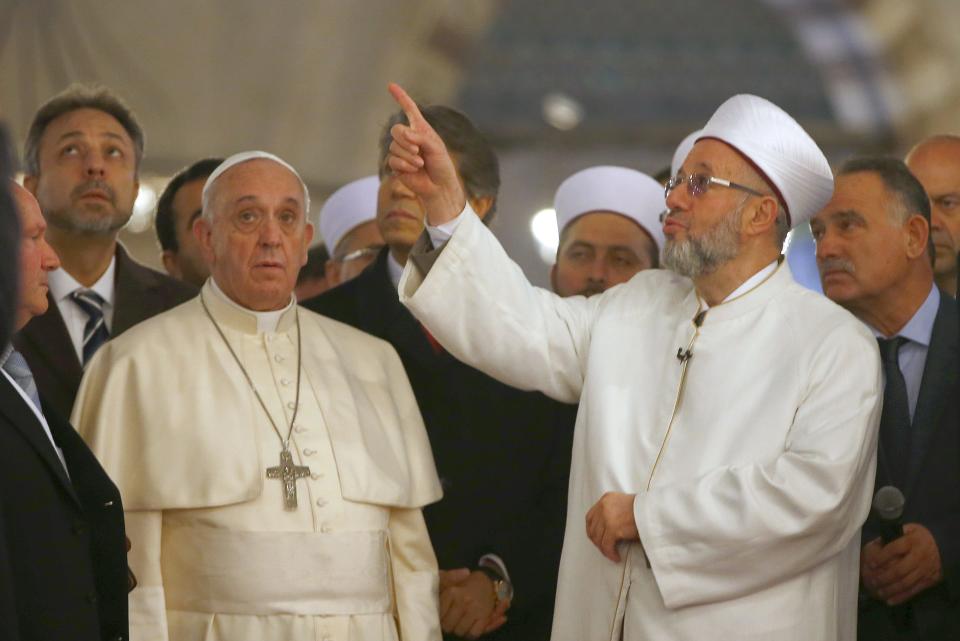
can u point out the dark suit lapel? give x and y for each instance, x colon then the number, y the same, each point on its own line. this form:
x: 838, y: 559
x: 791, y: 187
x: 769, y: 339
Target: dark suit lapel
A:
x: 939, y: 377
x: 21, y: 417
x: 132, y: 286
x: 46, y: 338
x: 389, y: 319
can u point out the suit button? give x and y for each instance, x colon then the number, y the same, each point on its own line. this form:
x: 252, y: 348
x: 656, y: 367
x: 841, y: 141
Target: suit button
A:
x: 79, y: 528
x: 92, y: 598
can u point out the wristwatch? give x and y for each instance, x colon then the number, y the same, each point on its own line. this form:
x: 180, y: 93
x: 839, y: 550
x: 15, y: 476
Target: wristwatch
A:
x: 502, y: 589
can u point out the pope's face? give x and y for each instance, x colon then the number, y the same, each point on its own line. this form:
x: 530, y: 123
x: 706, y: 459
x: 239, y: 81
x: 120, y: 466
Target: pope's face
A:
x: 37, y: 258
x: 861, y: 247
x: 88, y: 173
x: 187, y: 262
x: 259, y: 236
x: 599, y: 250
x: 937, y: 166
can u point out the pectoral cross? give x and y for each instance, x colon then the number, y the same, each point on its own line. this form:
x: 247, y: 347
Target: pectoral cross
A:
x: 288, y: 473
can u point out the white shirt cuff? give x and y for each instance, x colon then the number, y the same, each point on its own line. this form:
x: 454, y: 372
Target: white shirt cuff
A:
x: 494, y: 562
x: 440, y: 234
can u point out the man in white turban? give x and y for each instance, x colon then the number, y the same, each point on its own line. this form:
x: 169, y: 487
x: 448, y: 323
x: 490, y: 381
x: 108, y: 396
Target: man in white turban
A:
x: 273, y: 462
x: 609, y: 225
x: 348, y: 224
x: 724, y: 450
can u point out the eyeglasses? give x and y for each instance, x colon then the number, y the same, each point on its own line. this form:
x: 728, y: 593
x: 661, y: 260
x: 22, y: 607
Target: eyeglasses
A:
x: 699, y: 184
x: 364, y: 252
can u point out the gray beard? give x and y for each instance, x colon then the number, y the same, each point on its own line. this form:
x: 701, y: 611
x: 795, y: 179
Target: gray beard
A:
x: 703, y: 255
x: 81, y: 223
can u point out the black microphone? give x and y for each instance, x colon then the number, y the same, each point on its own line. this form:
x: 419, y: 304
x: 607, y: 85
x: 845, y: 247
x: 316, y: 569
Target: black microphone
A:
x: 888, y: 507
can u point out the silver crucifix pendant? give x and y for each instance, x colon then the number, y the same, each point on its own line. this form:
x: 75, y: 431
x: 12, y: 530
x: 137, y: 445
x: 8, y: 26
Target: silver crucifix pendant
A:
x: 288, y: 473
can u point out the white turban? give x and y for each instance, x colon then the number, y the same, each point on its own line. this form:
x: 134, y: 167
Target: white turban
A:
x: 246, y: 156
x: 682, y: 150
x: 779, y: 147
x: 616, y: 189
x: 353, y: 204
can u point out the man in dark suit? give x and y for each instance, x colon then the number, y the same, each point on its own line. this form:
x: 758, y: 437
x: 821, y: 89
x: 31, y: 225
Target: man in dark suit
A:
x: 503, y: 454
x: 875, y: 259
x: 9, y: 241
x: 63, y: 571
x: 81, y: 161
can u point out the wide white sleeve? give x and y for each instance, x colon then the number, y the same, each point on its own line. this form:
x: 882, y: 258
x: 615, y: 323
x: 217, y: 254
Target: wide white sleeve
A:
x: 148, y: 614
x: 738, y: 529
x: 415, y: 576
x: 479, y: 305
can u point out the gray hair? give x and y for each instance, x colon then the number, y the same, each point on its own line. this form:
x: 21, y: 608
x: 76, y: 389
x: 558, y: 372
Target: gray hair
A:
x: 73, y: 98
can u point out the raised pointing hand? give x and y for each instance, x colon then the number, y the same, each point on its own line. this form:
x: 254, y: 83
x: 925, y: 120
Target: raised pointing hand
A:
x: 419, y: 159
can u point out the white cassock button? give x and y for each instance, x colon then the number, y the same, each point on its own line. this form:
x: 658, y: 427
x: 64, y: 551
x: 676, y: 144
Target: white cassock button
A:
x: 325, y: 528
x: 269, y: 338
x: 284, y: 381
x: 321, y: 502
x: 316, y: 476
x: 278, y: 358
x: 299, y: 429
x: 308, y: 452
x: 291, y: 405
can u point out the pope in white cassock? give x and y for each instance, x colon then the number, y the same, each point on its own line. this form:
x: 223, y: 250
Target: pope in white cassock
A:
x: 273, y: 462
x: 724, y: 450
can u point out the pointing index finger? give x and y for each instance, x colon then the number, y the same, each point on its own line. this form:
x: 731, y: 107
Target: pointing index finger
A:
x: 414, y: 117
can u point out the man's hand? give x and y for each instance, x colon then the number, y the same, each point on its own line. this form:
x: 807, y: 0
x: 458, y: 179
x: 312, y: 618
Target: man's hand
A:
x: 897, y: 572
x: 420, y: 160
x: 467, y: 604
x: 610, y: 521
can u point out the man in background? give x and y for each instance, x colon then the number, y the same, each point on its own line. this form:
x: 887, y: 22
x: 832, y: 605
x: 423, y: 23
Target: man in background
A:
x: 348, y: 224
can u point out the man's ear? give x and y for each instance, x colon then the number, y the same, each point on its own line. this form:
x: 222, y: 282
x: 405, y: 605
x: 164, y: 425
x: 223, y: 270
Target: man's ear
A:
x: 553, y: 278
x: 764, y: 216
x: 169, y: 258
x: 307, y: 239
x: 331, y: 273
x: 481, y: 205
x: 203, y: 232
x: 30, y: 184
x: 917, y: 236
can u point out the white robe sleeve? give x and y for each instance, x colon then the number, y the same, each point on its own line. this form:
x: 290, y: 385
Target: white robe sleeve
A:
x: 148, y: 614
x: 479, y: 305
x: 415, y: 576
x: 736, y: 530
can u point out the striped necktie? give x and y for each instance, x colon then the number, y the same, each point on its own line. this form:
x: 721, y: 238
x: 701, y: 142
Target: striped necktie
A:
x: 95, y: 332
x: 16, y: 366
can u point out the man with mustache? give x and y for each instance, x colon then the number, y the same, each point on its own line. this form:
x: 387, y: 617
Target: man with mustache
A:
x: 273, y: 462
x: 725, y: 443
x: 502, y: 453
x: 873, y: 241
x: 81, y: 160
x: 609, y: 225
x: 935, y: 162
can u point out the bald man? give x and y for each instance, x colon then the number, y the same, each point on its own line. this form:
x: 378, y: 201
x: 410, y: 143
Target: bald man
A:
x: 935, y: 162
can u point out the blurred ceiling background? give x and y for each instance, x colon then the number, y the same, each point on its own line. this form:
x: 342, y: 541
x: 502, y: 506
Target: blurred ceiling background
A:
x: 557, y: 85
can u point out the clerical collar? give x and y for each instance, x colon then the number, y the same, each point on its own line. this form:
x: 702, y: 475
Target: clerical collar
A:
x: 62, y: 284
x: 266, y: 321
x: 750, y: 284
x: 394, y: 269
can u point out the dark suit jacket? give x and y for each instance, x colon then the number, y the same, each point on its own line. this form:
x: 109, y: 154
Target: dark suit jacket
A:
x: 503, y: 455
x: 63, y: 567
x: 141, y: 293
x: 932, y: 490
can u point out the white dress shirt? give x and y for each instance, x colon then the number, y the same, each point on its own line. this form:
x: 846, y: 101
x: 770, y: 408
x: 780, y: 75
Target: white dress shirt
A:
x: 62, y: 285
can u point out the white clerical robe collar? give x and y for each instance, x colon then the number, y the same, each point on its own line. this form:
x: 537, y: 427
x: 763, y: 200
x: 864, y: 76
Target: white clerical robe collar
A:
x: 394, y: 269
x: 62, y: 284
x: 748, y: 285
x: 246, y: 320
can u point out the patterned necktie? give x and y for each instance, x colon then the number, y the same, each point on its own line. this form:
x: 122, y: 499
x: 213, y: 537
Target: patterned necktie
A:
x: 16, y: 366
x: 95, y: 332
x: 895, y: 420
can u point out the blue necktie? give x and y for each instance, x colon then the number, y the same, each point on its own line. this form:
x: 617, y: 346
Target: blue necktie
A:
x: 95, y: 332
x: 16, y: 366
x: 895, y: 420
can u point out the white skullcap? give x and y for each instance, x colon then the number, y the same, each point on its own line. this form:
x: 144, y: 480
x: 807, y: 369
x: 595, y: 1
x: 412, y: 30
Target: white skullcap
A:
x: 618, y: 189
x: 246, y: 156
x: 779, y: 147
x: 353, y: 204
x: 682, y: 150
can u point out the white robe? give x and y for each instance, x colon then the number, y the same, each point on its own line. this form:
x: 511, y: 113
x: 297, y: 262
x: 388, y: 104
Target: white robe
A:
x: 751, y: 519
x: 169, y: 414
